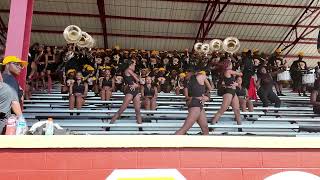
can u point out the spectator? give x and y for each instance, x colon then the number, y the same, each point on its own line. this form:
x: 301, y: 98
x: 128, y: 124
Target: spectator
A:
x: 8, y: 101
x: 13, y: 66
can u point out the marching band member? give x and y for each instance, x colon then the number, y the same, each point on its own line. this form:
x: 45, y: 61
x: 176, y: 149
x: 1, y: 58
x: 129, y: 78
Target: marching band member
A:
x: 229, y: 96
x: 276, y: 63
x: 149, y: 94
x: 197, y: 88
x: 68, y: 80
x: 144, y: 60
x: 90, y: 78
x: 161, y: 79
x: 180, y: 84
x: 297, y: 69
x: 143, y: 76
x: 154, y: 59
x: 131, y: 93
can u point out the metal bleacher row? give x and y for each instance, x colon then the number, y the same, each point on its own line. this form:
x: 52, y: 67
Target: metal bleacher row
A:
x: 294, y: 118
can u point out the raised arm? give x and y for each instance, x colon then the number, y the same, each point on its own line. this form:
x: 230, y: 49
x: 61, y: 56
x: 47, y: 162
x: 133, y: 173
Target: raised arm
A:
x: 134, y: 75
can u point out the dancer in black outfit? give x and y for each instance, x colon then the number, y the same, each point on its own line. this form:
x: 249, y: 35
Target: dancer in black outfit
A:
x: 149, y: 93
x: 229, y: 96
x: 264, y: 86
x: 131, y: 92
x: 197, y: 88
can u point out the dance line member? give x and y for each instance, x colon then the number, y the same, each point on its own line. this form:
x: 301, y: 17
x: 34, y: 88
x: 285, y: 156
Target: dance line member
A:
x: 196, y: 89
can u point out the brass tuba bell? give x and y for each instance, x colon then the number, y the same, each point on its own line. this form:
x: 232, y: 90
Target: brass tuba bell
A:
x: 197, y: 47
x: 231, y: 45
x: 215, y: 45
x: 85, y: 41
x: 72, y: 34
x: 205, y: 48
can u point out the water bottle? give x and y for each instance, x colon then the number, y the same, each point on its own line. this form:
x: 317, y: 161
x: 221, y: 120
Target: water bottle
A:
x: 11, y: 125
x: 49, y: 127
x: 21, y: 126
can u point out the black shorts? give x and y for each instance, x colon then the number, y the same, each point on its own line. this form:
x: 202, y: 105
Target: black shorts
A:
x: 40, y: 67
x: 51, y: 67
x: 134, y: 92
x: 229, y: 91
x: 195, y: 103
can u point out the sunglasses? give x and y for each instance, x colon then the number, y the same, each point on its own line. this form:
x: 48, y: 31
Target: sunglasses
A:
x: 17, y: 65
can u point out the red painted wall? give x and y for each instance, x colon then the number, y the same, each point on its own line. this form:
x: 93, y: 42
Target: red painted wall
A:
x: 193, y: 163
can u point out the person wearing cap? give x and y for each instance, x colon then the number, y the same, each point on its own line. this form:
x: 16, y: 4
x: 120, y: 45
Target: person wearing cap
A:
x: 13, y: 67
x: 68, y: 80
x: 297, y: 69
x: 275, y: 64
x: 180, y: 83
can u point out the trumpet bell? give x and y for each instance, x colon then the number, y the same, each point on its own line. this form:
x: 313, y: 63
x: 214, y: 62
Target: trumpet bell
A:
x: 72, y: 34
x: 231, y: 45
x: 197, y: 47
x: 215, y: 45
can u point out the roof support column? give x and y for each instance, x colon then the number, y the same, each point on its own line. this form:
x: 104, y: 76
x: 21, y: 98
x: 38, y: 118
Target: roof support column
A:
x: 3, y: 32
x: 210, y: 17
x: 19, y: 32
x: 102, y: 14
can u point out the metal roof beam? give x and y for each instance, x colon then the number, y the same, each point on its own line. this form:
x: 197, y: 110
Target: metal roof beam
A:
x: 3, y: 32
x: 102, y: 15
x: 294, y: 30
x: 247, y: 4
x: 172, y: 37
x: 163, y: 20
x: 209, y: 18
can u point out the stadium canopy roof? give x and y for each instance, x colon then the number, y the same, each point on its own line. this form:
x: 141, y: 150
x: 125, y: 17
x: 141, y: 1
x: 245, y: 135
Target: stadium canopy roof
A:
x: 177, y: 24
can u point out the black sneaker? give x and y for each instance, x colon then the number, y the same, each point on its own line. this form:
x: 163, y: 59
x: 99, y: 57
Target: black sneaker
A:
x: 282, y: 94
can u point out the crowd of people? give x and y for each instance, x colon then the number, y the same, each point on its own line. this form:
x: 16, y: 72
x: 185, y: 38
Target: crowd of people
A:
x: 142, y: 74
